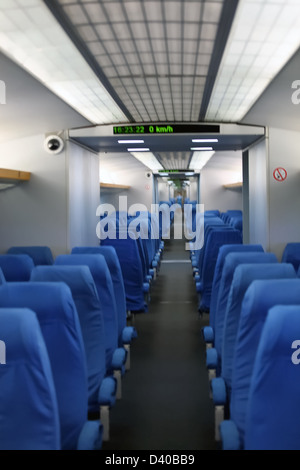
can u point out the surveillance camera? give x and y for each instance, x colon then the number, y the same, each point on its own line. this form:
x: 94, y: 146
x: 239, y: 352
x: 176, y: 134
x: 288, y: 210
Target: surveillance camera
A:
x: 54, y: 144
x: 148, y: 174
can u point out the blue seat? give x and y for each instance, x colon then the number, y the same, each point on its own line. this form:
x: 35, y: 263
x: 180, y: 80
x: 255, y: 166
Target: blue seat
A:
x: 260, y: 296
x: 40, y: 255
x: 148, y: 234
x: 101, y: 388
x: 115, y: 356
x: 2, y: 278
x: 197, y: 255
x: 29, y: 418
x: 273, y: 414
x: 244, y: 275
x: 229, y: 215
x: 135, y: 287
x: 126, y: 334
x: 213, y: 355
x: 291, y: 254
x: 208, y: 331
x: 16, y: 268
x: 59, y: 323
x: 215, y: 239
x: 214, y: 212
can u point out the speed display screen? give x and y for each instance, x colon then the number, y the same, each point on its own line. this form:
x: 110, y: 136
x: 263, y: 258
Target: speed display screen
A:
x: 166, y: 129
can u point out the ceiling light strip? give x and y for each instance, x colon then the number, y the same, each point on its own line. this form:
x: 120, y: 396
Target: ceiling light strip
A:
x: 35, y: 41
x: 199, y: 160
x: 203, y: 149
x: 149, y: 160
x: 264, y: 36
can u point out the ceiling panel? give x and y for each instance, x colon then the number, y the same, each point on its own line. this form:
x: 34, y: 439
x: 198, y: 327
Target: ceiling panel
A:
x: 155, y: 54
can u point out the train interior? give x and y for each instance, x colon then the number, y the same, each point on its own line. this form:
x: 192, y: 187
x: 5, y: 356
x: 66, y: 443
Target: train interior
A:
x: 149, y: 237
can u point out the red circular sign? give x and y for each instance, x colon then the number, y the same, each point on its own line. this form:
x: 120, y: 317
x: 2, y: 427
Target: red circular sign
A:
x: 280, y: 174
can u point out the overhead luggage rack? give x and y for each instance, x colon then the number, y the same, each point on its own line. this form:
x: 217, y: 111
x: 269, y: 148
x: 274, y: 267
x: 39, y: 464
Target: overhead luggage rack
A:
x: 9, y: 178
x: 238, y: 185
x: 113, y: 186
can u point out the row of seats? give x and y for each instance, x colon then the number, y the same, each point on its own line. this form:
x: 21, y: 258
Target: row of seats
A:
x: 138, y: 243
x: 79, y: 303
x: 216, y: 232
x: 253, y: 324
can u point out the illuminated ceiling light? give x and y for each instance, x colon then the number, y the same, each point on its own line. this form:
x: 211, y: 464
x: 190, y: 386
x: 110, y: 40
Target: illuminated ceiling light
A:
x: 199, y: 160
x: 131, y: 141
x: 264, y: 36
x: 31, y: 37
x: 149, y: 160
x: 204, y: 140
x: 138, y: 150
x: 202, y: 148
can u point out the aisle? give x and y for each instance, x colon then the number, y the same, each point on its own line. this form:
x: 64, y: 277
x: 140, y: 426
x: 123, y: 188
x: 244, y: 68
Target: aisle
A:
x: 165, y: 404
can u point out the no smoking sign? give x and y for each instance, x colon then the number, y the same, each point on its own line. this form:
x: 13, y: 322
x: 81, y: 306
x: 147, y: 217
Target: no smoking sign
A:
x: 280, y: 174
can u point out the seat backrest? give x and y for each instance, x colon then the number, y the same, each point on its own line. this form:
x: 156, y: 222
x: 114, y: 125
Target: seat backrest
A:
x: 216, y: 238
x: 29, y: 418
x: 59, y: 323
x: 214, y: 212
x: 231, y: 262
x: 260, y: 296
x: 223, y: 252
x: 273, y: 415
x: 131, y: 266
x: 16, y: 268
x: 291, y: 254
x: 208, y: 242
x: 104, y: 286
x: 40, y: 255
x: 114, y: 267
x: 85, y: 296
x: 244, y: 274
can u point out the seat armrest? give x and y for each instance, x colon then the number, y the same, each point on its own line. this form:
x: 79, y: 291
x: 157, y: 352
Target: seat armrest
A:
x: 90, y: 437
x: 211, y: 358
x: 118, y: 359
x: 230, y: 436
x: 199, y: 287
x: 128, y: 334
x: 219, y: 393
x: 208, y: 334
x: 146, y: 287
x: 107, y: 392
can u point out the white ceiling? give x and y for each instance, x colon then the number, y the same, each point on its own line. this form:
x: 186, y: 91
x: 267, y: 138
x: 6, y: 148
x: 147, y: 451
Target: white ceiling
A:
x: 30, y: 107
x: 158, y: 59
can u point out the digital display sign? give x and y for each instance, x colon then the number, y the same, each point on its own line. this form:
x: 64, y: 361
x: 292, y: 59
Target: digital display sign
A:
x: 167, y: 128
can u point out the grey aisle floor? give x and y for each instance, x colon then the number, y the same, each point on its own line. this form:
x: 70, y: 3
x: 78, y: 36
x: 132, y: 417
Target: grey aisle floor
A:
x: 165, y: 403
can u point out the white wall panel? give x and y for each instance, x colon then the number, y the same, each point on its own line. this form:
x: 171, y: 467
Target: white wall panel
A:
x: 84, y: 196
x: 258, y: 195
x: 34, y: 212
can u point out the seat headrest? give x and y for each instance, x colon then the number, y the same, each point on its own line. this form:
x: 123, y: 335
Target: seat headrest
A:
x: 41, y: 255
x: 16, y: 267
